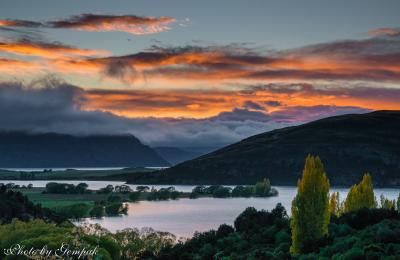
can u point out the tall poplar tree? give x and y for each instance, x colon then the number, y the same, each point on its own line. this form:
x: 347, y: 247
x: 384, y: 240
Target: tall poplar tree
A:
x: 310, y: 207
x: 361, y: 195
x: 334, y: 204
x: 398, y: 203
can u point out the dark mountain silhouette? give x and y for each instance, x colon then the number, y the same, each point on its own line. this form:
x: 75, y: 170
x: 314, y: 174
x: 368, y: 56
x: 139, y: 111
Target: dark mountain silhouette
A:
x: 348, y: 145
x: 25, y: 150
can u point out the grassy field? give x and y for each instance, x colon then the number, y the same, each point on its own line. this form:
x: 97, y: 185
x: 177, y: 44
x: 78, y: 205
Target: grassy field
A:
x: 72, y: 174
x: 36, y: 195
x: 61, y: 203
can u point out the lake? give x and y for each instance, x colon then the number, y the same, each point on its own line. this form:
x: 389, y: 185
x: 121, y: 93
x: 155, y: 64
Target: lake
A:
x: 185, y: 216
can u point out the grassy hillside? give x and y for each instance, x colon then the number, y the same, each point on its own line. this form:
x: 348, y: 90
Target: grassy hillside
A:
x: 350, y: 144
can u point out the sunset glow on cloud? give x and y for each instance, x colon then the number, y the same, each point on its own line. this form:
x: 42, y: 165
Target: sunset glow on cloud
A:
x: 351, y: 63
x: 203, y: 104
x: 46, y: 50
x: 133, y: 24
x: 177, y: 78
x: 385, y: 31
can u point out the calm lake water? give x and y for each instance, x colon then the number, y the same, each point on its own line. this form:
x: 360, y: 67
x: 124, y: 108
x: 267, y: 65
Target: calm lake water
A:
x: 185, y: 216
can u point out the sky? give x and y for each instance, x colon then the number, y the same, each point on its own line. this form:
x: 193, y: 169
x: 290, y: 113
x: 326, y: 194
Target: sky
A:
x: 194, y: 73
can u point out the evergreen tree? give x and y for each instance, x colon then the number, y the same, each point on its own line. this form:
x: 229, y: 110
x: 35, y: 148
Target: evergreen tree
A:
x: 361, y: 195
x: 310, y: 207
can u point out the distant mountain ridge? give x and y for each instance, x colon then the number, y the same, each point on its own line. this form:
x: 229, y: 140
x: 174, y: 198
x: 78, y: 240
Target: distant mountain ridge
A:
x: 348, y: 145
x: 50, y: 150
x: 175, y: 155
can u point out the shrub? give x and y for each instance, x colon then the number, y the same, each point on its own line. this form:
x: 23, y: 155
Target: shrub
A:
x: 106, y: 190
x: 242, y: 191
x: 97, y: 211
x: 222, y: 192
x: 114, y: 209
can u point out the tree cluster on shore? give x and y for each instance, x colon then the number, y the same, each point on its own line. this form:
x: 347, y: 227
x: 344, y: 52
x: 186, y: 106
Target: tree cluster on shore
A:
x: 260, y: 189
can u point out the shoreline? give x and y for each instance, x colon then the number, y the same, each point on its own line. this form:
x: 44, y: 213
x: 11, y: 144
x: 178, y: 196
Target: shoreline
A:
x: 5, y: 181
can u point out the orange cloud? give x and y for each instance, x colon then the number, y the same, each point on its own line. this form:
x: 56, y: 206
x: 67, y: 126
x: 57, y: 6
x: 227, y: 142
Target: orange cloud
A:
x: 370, y: 60
x: 349, y: 60
x: 385, y: 31
x: 209, y: 103
x: 46, y: 50
x: 16, y: 67
x: 19, y: 23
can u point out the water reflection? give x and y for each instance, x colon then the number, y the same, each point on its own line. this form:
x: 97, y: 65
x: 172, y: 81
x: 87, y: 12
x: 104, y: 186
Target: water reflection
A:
x: 183, y: 217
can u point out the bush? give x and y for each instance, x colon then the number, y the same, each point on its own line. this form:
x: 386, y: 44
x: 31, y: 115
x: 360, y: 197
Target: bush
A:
x: 242, y: 191
x: 163, y: 194
x: 115, y: 209
x: 142, y: 188
x: 365, y: 217
x: 65, y: 188
x: 124, y: 189
x: 222, y: 192
x: 106, y: 190
x: 97, y: 211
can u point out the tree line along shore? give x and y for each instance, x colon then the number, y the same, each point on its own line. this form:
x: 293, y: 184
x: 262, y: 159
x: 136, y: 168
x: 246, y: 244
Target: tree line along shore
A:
x: 77, y: 201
